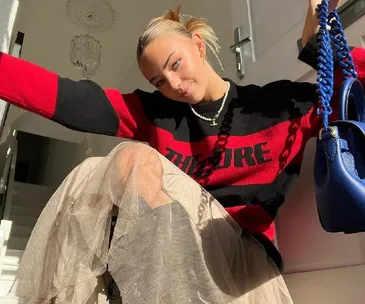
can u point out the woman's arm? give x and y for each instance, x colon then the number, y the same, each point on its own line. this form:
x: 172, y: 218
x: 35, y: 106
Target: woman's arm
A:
x: 309, y: 55
x: 79, y: 105
x: 311, y: 22
x: 309, y: 52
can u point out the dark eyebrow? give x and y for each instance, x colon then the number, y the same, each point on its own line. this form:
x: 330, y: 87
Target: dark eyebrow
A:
x: 164, y: 66
x: 167, y: 61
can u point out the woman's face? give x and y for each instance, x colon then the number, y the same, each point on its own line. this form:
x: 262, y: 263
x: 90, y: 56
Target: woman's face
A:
x: 175, y: 65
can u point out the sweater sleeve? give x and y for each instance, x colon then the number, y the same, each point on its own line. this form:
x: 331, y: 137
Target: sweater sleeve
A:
x: 309, y: 55
x: 79, y: 105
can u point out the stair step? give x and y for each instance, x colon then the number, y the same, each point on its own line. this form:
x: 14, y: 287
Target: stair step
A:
x: 8, y: 277
x: 5, y: 288
x: 40, y: 190
x: 9, y: 269
x: 13, y: 257
x: 29, y: 201
x: 9, y: 300
x: 23, y: 220
x: 17, y: 243
x: 21, y: 231
x: 30, y: 211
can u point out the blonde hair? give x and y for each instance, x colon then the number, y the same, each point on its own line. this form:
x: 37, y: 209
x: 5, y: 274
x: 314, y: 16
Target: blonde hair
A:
x: 174, y: 22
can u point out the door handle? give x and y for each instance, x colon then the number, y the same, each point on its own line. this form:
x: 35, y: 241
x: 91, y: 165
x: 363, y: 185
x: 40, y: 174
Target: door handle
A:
x: 238, y: 49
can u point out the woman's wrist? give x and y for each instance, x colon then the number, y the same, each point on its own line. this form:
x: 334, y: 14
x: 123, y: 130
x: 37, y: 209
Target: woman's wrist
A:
x: 311, y: 24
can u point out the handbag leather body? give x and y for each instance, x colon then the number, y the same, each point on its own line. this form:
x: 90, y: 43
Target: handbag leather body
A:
x: 339, y: 170
x: 339, y: 166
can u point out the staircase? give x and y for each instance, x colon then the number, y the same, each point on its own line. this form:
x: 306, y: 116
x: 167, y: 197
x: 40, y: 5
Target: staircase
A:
x: 25, y: 202
x: 7, y: 278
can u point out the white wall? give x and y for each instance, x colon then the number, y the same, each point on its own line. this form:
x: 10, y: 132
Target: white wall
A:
x: 8, y: 10
x: 333, y: 286
x: 304, y: 244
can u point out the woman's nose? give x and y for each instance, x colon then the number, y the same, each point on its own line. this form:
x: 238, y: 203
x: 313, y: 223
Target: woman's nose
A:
x: 175, y: 83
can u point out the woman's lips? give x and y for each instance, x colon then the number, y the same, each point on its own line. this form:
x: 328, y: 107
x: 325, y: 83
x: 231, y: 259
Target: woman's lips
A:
x: 187, y: 91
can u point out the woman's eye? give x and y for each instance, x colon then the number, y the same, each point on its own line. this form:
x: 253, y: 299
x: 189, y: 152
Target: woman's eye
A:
x: 176, y: 64
x: 160, y: 83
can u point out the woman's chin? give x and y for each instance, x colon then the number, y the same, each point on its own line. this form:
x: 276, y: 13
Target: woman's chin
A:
x: 194, y: 99
x: 188, y: 99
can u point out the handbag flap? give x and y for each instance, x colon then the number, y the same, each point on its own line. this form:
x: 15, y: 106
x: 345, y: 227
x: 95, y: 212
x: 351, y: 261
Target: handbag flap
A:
x: 357, y: 126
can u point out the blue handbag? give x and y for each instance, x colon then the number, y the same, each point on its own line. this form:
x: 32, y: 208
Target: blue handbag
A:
x: 339, y: 167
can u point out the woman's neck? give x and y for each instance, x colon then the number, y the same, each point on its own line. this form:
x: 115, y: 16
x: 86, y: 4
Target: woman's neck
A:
x: 216, y: 88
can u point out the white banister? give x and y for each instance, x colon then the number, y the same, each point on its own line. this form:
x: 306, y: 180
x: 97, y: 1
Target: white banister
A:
x: 5, y: 228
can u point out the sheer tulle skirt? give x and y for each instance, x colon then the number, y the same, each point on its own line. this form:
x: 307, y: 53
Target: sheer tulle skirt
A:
x: 172, y: 243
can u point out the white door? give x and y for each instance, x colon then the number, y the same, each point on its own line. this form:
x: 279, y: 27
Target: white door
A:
x: 274, y: 28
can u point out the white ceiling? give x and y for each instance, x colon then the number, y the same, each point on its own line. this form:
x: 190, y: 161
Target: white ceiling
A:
x: 49, y: 31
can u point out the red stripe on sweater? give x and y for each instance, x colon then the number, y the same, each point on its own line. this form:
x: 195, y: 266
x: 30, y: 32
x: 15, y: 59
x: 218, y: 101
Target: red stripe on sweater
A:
x: 133, y: 122
x: 358, y: 56
x: 288, y: 134
x: 28, y: 86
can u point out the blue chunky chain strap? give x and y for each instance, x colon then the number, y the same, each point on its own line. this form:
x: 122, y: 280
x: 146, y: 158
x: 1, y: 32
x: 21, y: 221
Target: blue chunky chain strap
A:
x: 328, y: 39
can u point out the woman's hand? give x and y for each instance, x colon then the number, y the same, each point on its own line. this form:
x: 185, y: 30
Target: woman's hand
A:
x: 311, y: 22
x: 332, y: 4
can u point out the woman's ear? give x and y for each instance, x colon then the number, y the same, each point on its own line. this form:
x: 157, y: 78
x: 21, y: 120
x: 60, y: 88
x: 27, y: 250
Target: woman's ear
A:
x: 200, y: 43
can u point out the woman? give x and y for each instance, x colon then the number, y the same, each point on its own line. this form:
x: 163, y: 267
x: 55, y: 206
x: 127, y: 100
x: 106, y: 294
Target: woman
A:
x: 196, y: 232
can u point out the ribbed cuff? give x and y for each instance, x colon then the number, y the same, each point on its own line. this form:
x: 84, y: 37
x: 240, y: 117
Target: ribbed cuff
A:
x: 309, y: 53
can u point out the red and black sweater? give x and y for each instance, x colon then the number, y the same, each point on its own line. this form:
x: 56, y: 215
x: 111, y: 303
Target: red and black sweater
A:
x: 247, y: 162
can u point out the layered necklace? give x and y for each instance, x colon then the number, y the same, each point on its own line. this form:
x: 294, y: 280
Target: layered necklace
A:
x: 212, y: 120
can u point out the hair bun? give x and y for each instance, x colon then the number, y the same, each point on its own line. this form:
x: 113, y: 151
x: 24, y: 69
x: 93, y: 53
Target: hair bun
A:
x: 173, y: 14
x: 171, y: 21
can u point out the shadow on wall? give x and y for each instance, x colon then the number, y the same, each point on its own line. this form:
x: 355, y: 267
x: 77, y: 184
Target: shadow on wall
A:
x: 303, y: 243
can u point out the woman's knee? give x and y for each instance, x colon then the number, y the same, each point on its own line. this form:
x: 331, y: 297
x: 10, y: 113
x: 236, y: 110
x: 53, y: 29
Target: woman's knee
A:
x: 136, y: 154
x: 140, y: 166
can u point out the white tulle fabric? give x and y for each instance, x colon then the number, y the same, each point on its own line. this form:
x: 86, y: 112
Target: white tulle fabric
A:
x: 172, y: 243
